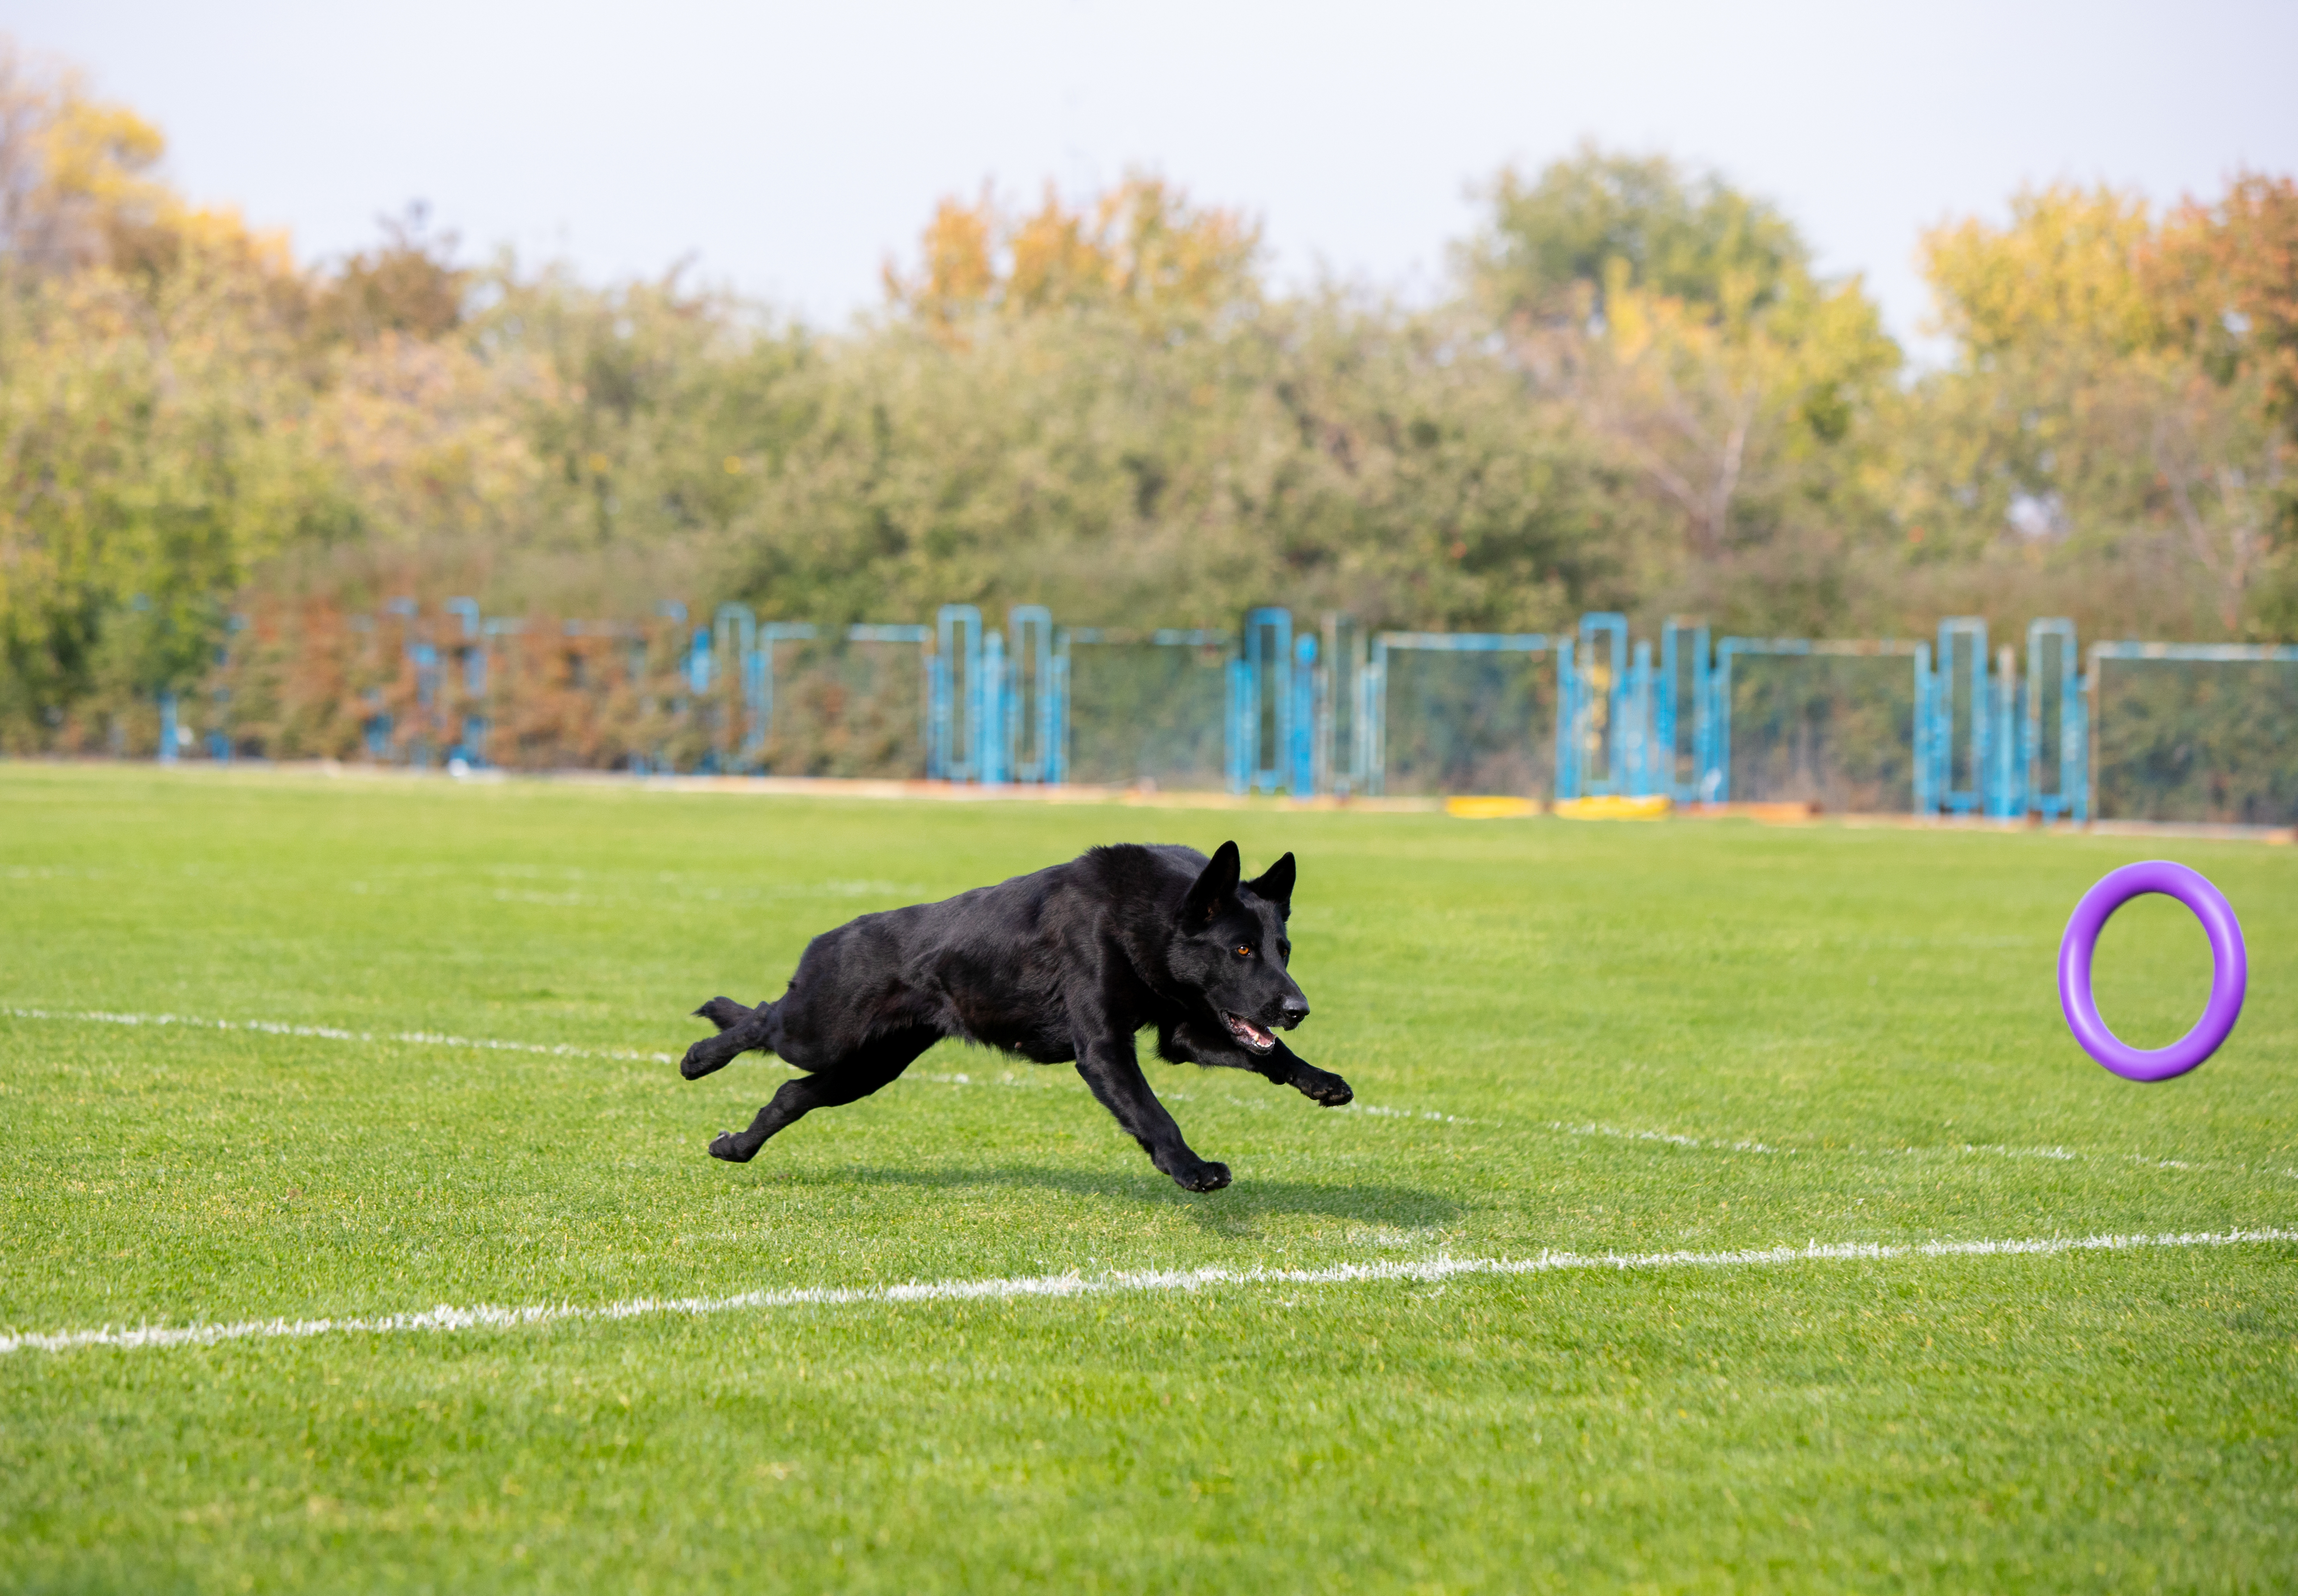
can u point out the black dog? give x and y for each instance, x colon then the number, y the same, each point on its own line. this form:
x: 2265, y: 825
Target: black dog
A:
x: 1066, y: 963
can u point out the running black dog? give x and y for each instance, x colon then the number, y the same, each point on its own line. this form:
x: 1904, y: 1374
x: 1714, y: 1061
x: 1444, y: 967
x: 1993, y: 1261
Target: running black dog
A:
x: 1066, y: 963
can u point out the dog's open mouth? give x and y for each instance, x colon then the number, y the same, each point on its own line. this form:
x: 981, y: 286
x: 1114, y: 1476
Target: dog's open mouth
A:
x: 1245, y: 1031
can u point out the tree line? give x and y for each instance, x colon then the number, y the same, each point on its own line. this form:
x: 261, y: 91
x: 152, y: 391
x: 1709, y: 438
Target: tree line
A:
x: 1639, y: 395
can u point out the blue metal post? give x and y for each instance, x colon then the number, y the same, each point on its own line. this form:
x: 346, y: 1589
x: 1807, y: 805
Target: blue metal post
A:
x: 2006, y: 795
x: 1369, y: 750
x: 2078, y: 777
x: 1267, y: 653
x: 1605, y: 675
x: 1683, y: 650
x: 475, y: 727
x: 996, y: 726
x: 938, y: 731
x: 1715, y: 785
x: 1372, y: 718
x: 1710, y: 759
x: 1715, y: 735
x: 1057, y: 699
x: 769, y: 634
x: 1962, y: 638
x: 1030, y: 703
x: 1567, y: 723
x: 1668, y: 720
x: 1926, y: 783
x: 735, y: 628
x: 1236, y: 739
x: 1301, y: 780
x: 756, y: 703
x: 1639, y: 778
x: 697, y: 662
x: 955, y: 754
x: 2060, y: 798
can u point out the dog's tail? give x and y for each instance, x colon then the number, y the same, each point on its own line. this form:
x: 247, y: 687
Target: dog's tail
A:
x: 723, y: 1013
x: 740, y: 1030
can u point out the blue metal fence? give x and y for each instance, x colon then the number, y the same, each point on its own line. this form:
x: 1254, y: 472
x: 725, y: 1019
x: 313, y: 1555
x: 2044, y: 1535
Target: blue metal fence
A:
x: 1679, y: 706
x: 1715, y: 782
x: 1944, y: 725
x: 2173, y: 728
x: 1369, y: 763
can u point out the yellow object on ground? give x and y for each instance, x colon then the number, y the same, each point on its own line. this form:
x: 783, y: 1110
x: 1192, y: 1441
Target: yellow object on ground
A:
x: 1613, y: 808
x: 1490, y: 808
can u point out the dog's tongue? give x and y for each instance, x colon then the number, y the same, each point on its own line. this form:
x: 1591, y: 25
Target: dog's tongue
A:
x: 1251, y: 1032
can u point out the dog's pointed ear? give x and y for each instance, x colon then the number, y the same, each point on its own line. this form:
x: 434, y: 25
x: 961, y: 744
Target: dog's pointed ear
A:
x: 1215, y: 885
x: 1275, y: 885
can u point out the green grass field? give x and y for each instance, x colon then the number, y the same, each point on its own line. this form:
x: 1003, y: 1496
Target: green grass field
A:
x: 1577, y: 1037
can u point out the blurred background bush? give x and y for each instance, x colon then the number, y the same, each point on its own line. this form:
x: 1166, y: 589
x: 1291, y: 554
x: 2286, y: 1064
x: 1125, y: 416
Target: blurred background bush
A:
x: 1636, y: 396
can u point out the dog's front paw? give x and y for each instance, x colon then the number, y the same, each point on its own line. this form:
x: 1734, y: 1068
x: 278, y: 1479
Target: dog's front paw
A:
x: 1320, y: 1086
x: 725, y: 1146
x: 704, y: 1057
x: 1202, y: 1178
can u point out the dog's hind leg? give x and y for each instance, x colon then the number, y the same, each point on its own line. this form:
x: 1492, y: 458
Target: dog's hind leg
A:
x: 878, y: 1062
x: 740, y: 1030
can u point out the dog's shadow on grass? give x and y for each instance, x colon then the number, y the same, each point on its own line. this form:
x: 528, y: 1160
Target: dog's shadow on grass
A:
x: 1235, y: 1208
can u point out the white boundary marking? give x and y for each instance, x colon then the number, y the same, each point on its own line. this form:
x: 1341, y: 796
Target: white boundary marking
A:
x: 1009, y: 1287
x: 274, y: 1028
x: 425, y: 1038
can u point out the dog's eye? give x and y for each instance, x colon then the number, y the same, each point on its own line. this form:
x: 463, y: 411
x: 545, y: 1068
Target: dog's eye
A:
x: 1245, y: 950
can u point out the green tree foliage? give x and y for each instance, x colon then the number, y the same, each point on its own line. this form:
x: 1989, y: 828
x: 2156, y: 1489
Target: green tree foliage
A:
x: 1142, y: 247
x: 1557, y: 245
x: 1643, y: 397
x: 2109, y: 426
x: 153, y: 414
x: 1134, y: 482
x: 407, y: 285
x: 1740, y: 403
x: 2227, y: 277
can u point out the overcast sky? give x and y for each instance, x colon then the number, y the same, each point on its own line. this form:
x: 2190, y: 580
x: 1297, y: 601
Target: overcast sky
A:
x: 789, y: 150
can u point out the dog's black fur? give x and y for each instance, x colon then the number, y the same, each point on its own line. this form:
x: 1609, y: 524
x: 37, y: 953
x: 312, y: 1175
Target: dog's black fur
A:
x: 1063, y: 964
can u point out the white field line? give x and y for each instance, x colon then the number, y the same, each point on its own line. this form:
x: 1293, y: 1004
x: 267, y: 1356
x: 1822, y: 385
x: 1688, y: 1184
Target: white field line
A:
x: 1672, y: 1138
x: 1954, y: 1150
x: 423, y: 1038
x: 1010, y: 1287
x: 274, y: 1028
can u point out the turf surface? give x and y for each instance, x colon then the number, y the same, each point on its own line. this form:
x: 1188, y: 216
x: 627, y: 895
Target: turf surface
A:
x: 1587, y: 1038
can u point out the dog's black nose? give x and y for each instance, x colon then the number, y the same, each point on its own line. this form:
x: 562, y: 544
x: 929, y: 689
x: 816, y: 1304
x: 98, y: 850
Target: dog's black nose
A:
x: 1295, y: 1010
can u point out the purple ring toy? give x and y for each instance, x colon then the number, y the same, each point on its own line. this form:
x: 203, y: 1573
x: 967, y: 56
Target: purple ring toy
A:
x: 2229, y: 969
